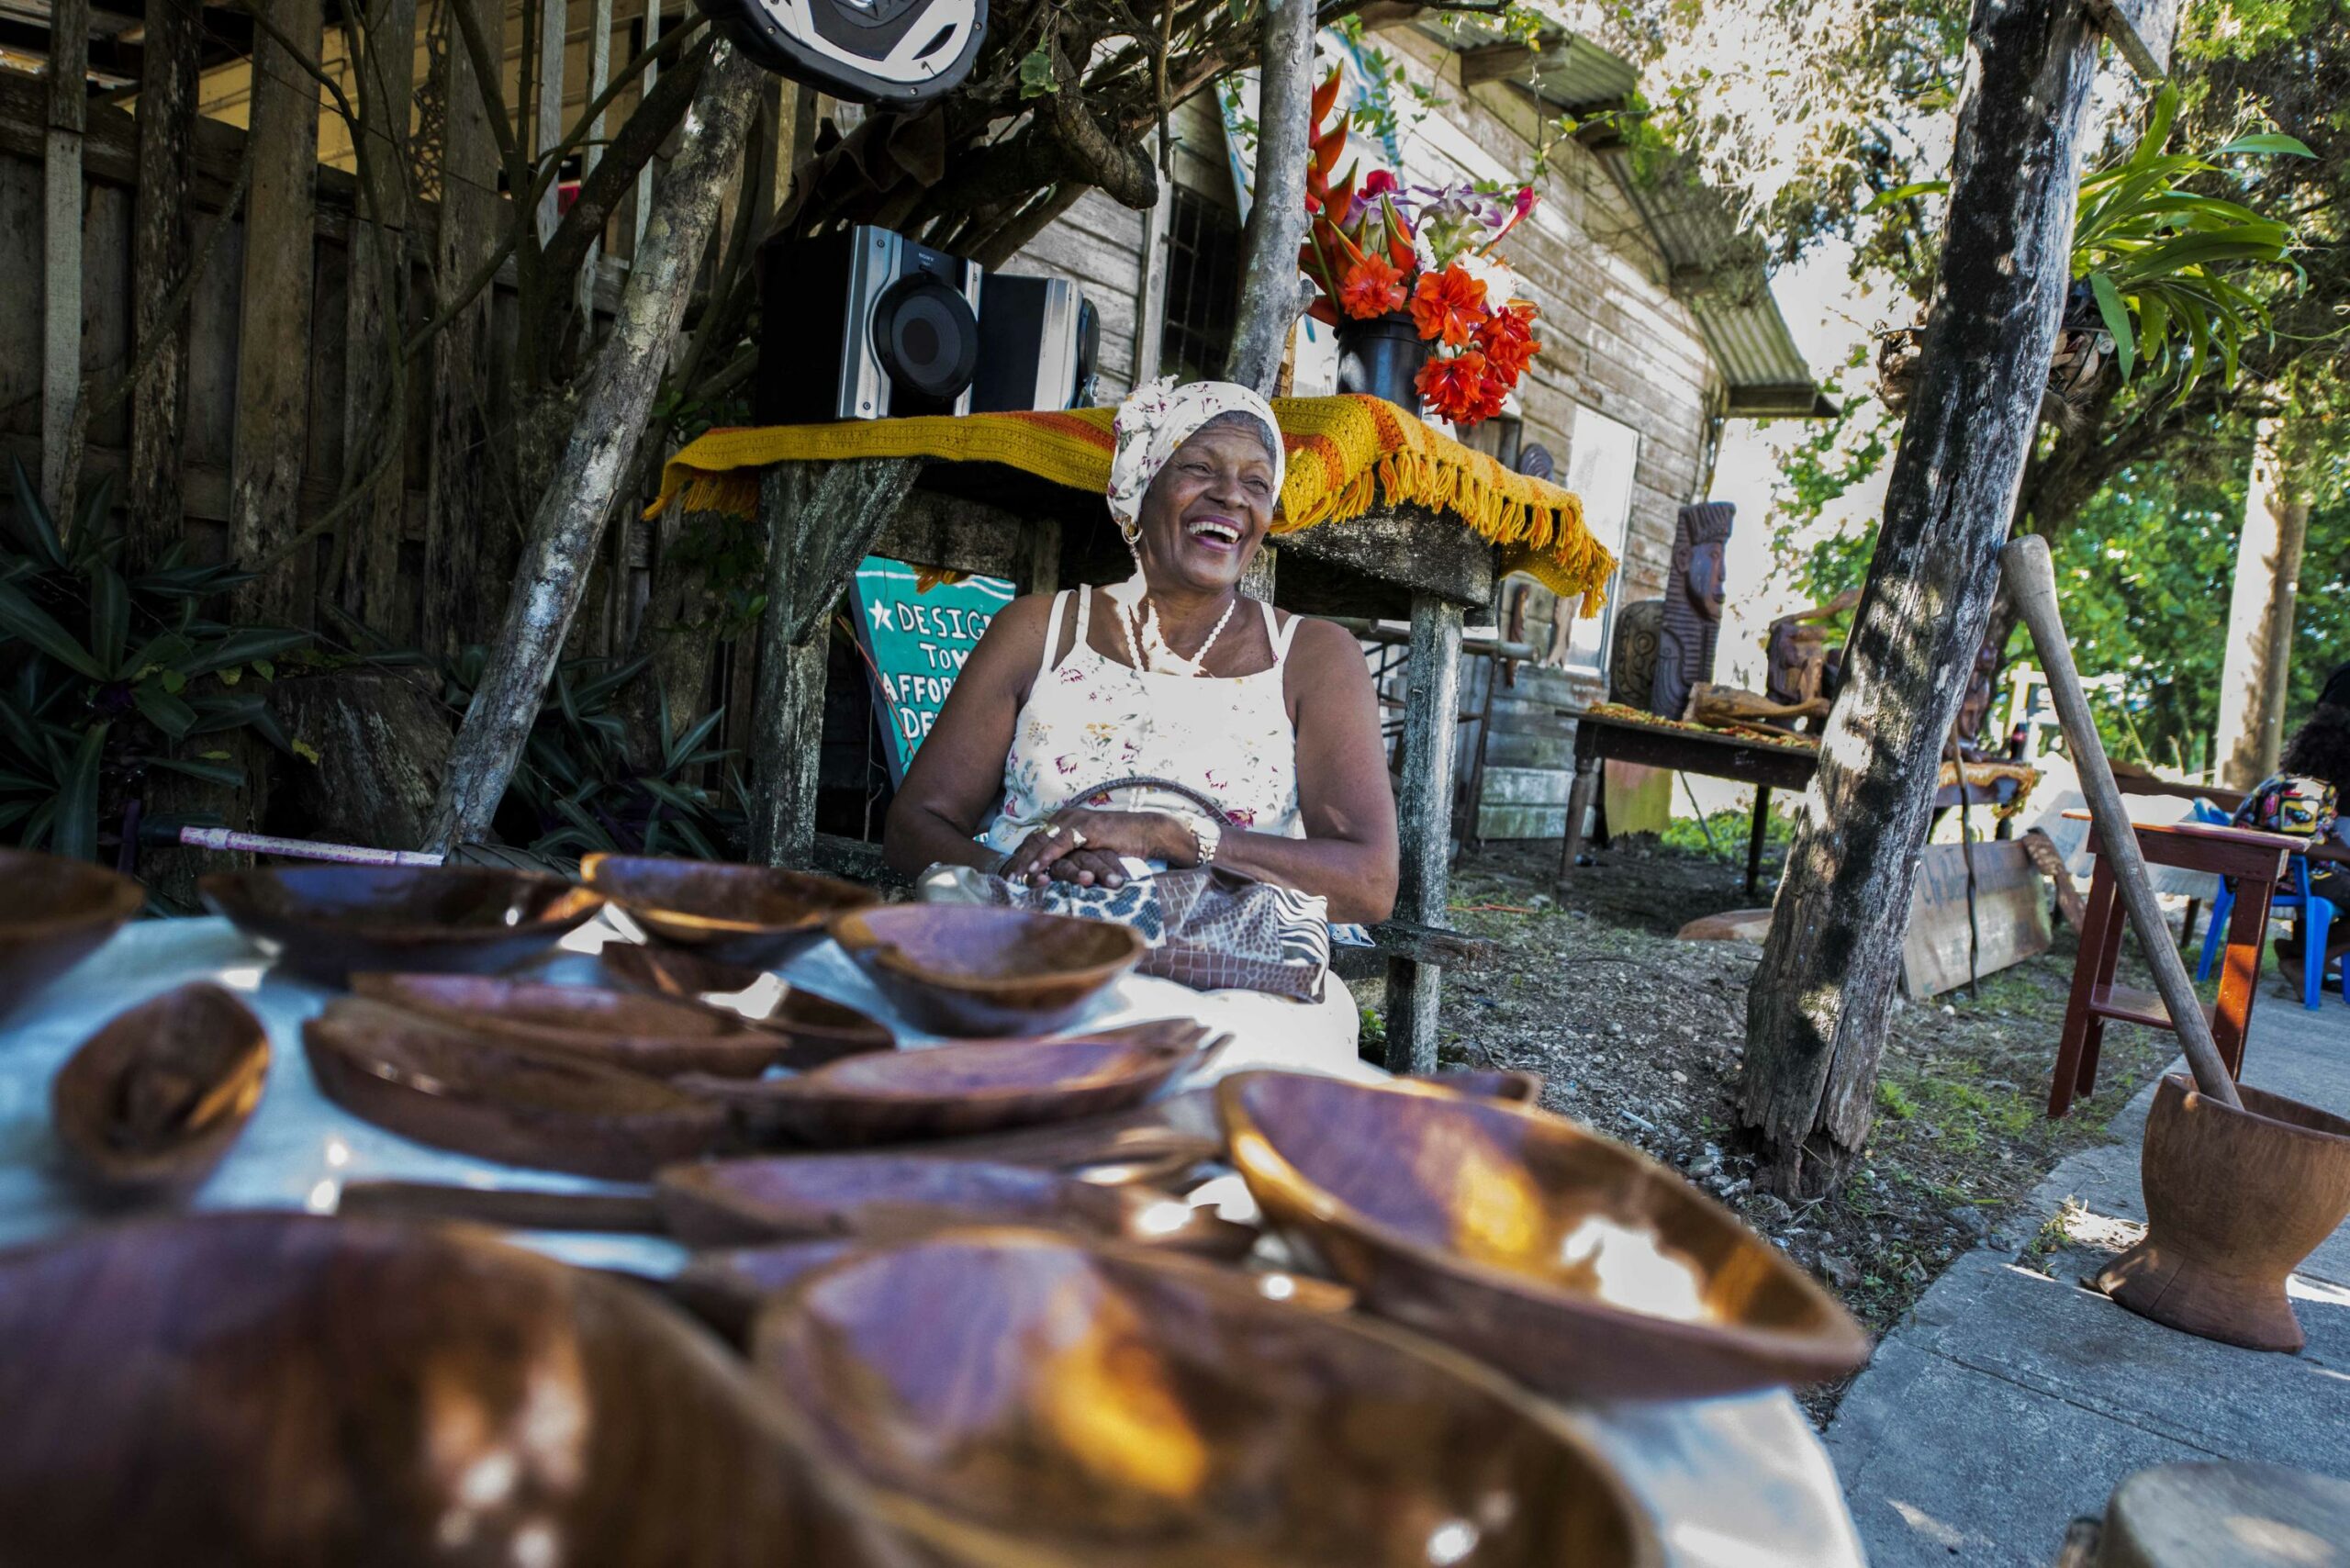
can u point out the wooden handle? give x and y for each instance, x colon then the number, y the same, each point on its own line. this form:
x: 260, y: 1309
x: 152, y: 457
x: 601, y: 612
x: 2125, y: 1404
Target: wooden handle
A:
x: 2031, y: 586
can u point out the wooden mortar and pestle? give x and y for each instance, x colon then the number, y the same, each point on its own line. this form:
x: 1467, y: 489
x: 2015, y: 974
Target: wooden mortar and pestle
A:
x: 2241, y: 1185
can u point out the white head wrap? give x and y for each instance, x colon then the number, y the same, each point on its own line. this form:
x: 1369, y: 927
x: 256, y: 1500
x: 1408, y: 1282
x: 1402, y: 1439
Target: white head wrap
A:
x: 1161, y: 417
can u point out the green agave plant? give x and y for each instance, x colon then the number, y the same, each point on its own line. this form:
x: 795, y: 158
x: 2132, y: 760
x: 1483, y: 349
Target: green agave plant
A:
x: 105, y: 676
x: 2163, y: 267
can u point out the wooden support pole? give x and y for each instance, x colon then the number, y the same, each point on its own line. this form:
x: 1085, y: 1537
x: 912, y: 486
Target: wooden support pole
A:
x: 274, y: 321
x: 1423, y: 825
x: 1815, y: 1012
x: 820, y: 522
x: 376, y: 306
x: 644, y: 91
x: 1272, y: 293
x: 615, y: 398
x: 600, y: 73
x: 548, y: 121
x: 61, y: 371
x: 451, y: 595
x: 161, y: 246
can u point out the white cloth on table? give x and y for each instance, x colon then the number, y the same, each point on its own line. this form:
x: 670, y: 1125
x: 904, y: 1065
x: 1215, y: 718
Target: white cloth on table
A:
x: 1737, y: 1482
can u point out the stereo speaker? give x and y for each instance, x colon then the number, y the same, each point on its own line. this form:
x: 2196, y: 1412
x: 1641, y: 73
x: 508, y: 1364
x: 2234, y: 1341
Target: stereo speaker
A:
x: 865, y: 325
x: 898, y: 52
x: 1038, y: 340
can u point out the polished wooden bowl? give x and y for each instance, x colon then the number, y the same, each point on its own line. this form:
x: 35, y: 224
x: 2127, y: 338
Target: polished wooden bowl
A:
x: 982, y: 1086
x: 625, y: 1028
x: 1516, y: 1083
x: 150, y: 1105
x: 1078, y: 1406
x: 729, y: 1203
x: 969, y: 970
x: 323, y: 922
x: 746, y: 916
x: 54, y: 912
x: 284, y: 1389
x: 1578, y: 1265
x: 672, y: 971
x: 500, y: 1099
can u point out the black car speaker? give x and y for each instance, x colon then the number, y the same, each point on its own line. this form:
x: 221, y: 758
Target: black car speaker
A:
x: 870, y: 51
x: 865, y: 325
x: 1038, y: 337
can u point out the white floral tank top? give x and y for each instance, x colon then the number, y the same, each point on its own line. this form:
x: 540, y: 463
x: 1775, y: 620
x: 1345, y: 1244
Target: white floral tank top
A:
x: 1089, y: 720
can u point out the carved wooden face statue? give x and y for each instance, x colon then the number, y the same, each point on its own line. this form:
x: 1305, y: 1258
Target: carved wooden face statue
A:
x: 1705, y: 581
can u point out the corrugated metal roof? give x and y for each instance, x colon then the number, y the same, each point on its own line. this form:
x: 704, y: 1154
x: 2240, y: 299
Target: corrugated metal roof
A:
x: 1712, y: 263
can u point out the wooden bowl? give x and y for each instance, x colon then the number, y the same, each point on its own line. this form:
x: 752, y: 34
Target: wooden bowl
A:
x: 726, y: 1287
x: 622, y: 1028
x: 982, y: 1086
x: 1078, y: 1406
x: 292, y: 1389
x: 323, y: 922
x: 728, y: 1202
x: 500, y: 1099
x: 672, y: 971
x: 54, y: 912
x: 149, y: 1105
x: 1516, y: 1084
x: 1578, y: 1265
x: 746, y: 916
x: 968, y: 971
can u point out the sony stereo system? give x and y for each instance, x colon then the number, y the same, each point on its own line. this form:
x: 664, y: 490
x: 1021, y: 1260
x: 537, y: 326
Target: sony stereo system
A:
x: 871, y: 325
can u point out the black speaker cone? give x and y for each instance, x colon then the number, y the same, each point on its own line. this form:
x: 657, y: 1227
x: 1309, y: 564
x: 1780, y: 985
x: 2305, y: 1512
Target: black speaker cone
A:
x: 926, y: 337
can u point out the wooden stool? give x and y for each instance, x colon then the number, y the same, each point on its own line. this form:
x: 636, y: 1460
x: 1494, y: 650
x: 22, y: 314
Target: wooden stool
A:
x: 2257, y: 860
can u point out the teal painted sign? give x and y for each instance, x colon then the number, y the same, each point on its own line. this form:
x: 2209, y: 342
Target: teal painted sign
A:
x: 915, y: 645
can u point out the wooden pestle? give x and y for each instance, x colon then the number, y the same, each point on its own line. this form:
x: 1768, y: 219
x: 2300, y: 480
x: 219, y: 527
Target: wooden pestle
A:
x: 2032, y: 584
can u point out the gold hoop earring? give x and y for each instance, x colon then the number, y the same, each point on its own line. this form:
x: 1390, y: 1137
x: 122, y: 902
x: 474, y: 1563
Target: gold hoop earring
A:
x: 1131, y: 532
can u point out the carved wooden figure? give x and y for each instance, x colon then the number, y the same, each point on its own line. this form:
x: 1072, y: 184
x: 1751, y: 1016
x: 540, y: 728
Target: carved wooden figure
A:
x: 1693, y: 606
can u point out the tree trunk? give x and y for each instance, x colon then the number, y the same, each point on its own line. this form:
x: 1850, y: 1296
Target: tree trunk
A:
x: 613, y: 405
x: 2245, y: 742
x: 1815, y: 1012
x: 160, y: 241
x: 1272, y: 290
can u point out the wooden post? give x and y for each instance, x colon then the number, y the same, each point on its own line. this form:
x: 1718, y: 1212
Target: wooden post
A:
x: 375, y: 296
x: 160, y: 245
x: 1043, y: 572
x: 600, y: 73
x: 1815, y: 1012
x: 1423, y: 815
x: 451, y: 593
x: 820, y: 521
x: 2245, y: 743
x: 1271, y: 292
x: 61, y: 373
x: 614, y: 399
x: 548, y: 121
x: 274, y: 321
x: 645, y: 175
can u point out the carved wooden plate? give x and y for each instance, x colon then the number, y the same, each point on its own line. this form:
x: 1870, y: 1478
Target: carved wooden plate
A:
x: 500, y: 1098
x: 962, y: 1090
x: 623, y: 1029
x: 150, y: 1105
x: 750, y: 917
x: 54, y: 913
x: 1578, y: 1265
x: 968, y: 971
x: 287, y: 1388
x: 323, y: 922
x: 726, y: 1203
x: 1077, y: 1406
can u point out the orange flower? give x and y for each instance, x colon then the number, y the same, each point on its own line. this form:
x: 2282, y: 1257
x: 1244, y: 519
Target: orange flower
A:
x: 1449, y: 306
x: 1371, y: 288
x: 1454, y: 385
x: 1507, y: 340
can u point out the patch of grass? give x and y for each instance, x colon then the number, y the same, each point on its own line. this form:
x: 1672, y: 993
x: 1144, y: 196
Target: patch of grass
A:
x: 1894, y: 1100
x: 1729, y: 830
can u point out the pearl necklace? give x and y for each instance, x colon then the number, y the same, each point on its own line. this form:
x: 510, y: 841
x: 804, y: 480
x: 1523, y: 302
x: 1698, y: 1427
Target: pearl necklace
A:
x: 1152, y: 644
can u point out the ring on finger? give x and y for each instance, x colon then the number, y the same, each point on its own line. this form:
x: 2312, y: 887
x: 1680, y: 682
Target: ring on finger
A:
x: 1077, y: 838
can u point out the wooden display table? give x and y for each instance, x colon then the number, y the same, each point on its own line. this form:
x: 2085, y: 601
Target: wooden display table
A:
x: 2256, y: 859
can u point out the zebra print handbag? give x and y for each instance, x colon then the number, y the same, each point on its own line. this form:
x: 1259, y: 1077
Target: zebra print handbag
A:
x: 1208, y: 927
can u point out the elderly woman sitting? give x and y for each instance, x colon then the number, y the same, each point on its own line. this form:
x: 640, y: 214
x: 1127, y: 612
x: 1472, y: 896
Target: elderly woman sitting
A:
x: 1171, y: 675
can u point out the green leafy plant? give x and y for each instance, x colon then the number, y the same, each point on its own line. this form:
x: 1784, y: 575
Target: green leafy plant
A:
x: 2162, y: 266
x: 107, y: 677
x: 576, y: 790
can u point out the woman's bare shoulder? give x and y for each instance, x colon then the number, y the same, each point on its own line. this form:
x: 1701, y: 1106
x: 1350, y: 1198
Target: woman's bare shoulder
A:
x: 1325, y: 644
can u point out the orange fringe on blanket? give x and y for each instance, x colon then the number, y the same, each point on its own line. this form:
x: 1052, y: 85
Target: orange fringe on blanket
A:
x: 1347, y: 455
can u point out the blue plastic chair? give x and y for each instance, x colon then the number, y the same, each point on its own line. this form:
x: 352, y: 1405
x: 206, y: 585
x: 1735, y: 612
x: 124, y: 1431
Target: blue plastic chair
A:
x: 2312, y: 914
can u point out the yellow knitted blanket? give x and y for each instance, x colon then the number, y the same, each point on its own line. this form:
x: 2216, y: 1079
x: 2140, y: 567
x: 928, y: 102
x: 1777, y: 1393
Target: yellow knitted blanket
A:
x: 1347, y: 455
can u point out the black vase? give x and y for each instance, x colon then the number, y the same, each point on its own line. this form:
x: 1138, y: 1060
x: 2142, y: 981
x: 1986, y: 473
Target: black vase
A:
x: 1383, y: 356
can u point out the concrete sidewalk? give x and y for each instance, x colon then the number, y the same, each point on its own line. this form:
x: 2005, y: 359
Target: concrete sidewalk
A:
x: 2012, y: 1399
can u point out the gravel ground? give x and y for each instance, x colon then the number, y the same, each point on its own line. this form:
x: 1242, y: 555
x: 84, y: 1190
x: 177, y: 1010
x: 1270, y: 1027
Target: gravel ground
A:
x: 1641, y: 1038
